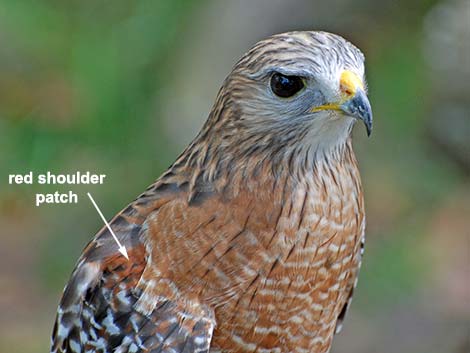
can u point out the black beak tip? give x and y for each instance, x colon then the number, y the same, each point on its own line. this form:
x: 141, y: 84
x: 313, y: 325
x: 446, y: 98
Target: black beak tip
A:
x: 359, y: 108
x: 368, y: 125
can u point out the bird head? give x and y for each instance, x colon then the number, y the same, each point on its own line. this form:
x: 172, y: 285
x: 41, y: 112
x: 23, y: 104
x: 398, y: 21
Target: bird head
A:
x: 299, y: 88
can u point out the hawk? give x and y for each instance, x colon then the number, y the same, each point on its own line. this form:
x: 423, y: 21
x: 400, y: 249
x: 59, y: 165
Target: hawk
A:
x: 252, y: 240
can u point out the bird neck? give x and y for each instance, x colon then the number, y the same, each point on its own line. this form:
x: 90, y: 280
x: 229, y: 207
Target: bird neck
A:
x: 218, y: 168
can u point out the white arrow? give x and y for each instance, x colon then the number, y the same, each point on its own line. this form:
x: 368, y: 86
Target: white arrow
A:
x: 122, y: 248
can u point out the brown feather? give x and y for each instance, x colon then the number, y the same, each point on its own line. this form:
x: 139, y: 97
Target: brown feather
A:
x: 250, y: 242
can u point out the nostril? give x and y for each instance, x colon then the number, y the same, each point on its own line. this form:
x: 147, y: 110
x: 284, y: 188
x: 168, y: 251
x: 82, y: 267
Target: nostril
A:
x: 347, y: 91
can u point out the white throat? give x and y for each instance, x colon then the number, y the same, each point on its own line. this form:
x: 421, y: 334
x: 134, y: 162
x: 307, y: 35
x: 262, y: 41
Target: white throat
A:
x: 328, y: 131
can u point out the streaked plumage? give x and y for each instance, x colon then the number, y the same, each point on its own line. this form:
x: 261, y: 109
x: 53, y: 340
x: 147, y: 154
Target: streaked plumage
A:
x: 252, y: 240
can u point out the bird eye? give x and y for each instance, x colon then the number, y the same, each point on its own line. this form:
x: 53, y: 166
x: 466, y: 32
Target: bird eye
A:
x: 286, y: 86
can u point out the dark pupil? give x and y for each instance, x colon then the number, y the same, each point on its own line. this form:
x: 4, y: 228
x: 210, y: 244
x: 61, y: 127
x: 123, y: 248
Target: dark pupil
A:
x: 286, y: 86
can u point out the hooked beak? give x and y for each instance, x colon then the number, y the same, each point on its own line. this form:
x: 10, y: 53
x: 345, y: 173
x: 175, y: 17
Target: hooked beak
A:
x: 354, y: 101
x: 359, y: 107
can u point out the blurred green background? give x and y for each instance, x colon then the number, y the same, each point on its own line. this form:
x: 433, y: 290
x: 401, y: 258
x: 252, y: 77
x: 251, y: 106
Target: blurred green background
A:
x: 120, y: 87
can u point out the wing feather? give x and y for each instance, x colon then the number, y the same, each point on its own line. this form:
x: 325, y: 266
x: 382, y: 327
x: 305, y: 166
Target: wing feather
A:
x: 99, y: 310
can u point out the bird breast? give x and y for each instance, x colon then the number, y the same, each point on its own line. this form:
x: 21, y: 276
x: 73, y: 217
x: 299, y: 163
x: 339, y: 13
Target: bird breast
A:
x: 276, y: 259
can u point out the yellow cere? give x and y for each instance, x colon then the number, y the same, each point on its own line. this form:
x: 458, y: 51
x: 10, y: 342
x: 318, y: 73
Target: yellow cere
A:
x: 349, y: 82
